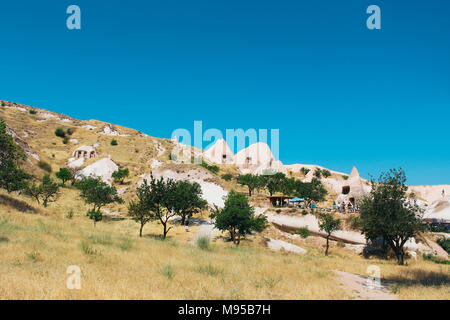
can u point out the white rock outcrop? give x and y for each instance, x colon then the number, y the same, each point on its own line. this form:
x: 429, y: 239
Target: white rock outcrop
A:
x: 103, y: 168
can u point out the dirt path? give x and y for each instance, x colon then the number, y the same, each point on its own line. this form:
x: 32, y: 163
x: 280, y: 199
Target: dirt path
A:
x: 358, y: 287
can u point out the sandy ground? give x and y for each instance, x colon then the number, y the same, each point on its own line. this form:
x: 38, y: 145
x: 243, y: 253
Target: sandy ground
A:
x: 363, y: 288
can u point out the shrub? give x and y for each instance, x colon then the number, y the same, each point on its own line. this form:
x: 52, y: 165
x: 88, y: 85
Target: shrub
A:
x: 445, y: 244
x: 136, y: 150
x: 32, y: 111
x: 69, y: 214
x: 70, y: 131
x: 212, y: 168
x: 345, y: 177
x: 59, y: 132
x: 326, y: 173
x: 304, y: 232
x: 203, y: 242
x: 227, y: 176
x: 65, y: 140
x: 114, y: 142
x: 45, y: 166
x: 304, y: 212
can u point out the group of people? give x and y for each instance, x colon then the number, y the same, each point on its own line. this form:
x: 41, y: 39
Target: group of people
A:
x: 345, y: 207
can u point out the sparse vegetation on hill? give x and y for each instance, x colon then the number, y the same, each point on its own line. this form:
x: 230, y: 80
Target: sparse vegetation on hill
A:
x: 211, y: 167
x: 37, y: 243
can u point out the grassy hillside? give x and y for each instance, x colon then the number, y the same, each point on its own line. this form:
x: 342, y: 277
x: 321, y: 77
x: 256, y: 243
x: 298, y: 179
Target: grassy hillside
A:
x: 37, y: 244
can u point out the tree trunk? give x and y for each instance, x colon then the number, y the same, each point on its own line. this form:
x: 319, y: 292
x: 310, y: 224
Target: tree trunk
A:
x: 326, y: 250
x: 165, y: 230
x: 233, y: 235
x: 183, y: 219
x: 140, y: 230
x: 239, y: 238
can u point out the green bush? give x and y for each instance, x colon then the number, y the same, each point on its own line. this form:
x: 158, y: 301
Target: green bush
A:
x: 32, y: 111
x: 326, y: 173
x: 431, y: 257
x: 65, y: 140
x: 304, y: 232
x: 59, y: 132
x: 69, y: 131
x: 445, y: 244
x: 227, y: 176
x: 212, y: 168
x: 114, y: 142
x: 45, y: 166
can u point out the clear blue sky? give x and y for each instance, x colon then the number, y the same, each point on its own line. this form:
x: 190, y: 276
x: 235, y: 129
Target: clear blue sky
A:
x: 341, y: 94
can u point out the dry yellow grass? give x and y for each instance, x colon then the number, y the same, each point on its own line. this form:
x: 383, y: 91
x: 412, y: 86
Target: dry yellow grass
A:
x: 37, y: 247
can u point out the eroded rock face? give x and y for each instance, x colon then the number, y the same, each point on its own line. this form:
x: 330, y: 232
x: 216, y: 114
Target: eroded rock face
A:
x: 103, y: 169
x: 18, y: 140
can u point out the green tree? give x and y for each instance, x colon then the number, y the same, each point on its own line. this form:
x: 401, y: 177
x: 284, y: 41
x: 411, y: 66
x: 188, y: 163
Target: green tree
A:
x: 326, y: 173
x: 114, y: 142
x: 328, y: 224
x: 45, y: 192
x: 49, y: 190
x: 250, y: 181
x: 98, y: 193
x: 389, y: 213
x: 120, y: 175
x: 318, y: 173
x: 64, y: 175
x: 140, y: 210
x: 187, y: 200
x: 305, y: 171
x: 12, y: 177
x: 312, y: 191
x: 274, y: 183
x: 238, y: 217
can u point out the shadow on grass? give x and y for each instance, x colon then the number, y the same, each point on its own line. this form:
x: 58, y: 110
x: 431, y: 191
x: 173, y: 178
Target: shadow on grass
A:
x: 4, y: 239
x: 418, y: 277
x: 19, y: 205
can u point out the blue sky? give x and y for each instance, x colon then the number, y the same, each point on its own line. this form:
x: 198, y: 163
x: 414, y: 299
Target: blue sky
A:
x: 340, y: 94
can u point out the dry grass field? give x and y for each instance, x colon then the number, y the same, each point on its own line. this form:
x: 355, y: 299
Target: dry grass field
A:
x: 37, y: 245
